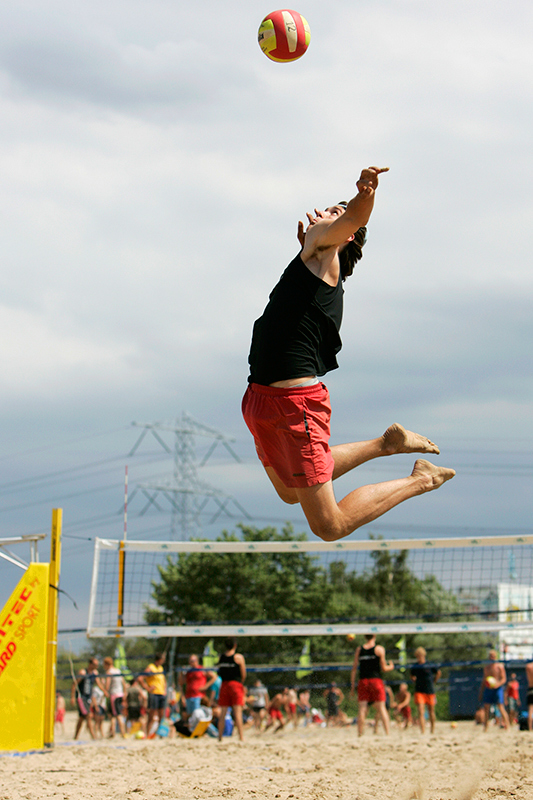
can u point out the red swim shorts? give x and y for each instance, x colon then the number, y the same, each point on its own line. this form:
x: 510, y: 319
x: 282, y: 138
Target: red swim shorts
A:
x: 275, y: 713
x: 231, y: 694
x: 291, y: 431
x: 371, y: 690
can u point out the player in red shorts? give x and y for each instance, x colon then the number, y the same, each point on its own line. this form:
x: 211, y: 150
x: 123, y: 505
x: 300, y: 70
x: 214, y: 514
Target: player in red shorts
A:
x: 286, y: 406
x: 232, y: 670
x: 370, y: 659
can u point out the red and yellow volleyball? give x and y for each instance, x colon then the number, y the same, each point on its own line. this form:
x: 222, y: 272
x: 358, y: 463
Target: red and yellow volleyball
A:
x: 284, y: 35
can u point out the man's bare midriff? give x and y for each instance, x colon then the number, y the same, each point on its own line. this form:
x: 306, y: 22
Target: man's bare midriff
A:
x: 290, y: 382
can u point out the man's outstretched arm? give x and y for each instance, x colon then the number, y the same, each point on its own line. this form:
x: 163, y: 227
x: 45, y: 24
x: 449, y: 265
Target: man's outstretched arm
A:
x: 323, y: 233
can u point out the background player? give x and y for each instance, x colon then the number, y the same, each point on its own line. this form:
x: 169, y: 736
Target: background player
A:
x: 370, y: 659
x: 424, y: 677
x: 492, y: 688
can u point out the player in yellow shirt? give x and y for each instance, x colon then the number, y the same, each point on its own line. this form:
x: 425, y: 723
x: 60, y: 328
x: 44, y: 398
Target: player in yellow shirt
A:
x: 155, y: 683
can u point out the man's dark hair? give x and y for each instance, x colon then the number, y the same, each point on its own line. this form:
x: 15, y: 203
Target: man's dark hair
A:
x: 351, y: 253
x: 230, y: 643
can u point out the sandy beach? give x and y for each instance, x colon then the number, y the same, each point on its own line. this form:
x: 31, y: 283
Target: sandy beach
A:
x: 455, y: 764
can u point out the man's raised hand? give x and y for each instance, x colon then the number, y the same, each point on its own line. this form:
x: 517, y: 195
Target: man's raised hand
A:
x: 368, y: 182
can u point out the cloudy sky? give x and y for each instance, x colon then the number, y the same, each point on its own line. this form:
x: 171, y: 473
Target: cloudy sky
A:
x: 154, y: 165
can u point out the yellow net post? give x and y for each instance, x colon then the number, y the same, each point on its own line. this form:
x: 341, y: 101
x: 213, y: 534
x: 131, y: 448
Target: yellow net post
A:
x: 51, y: 645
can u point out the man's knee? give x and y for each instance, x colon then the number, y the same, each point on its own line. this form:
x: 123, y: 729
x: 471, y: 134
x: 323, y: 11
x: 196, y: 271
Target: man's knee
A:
x: 326, y: 530
x: 324, y: 533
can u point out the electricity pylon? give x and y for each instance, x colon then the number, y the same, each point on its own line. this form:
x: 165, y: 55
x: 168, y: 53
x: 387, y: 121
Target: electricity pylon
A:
x: 187, y: 494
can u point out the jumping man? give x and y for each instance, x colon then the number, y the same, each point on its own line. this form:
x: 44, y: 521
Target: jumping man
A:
x: 286, y: 407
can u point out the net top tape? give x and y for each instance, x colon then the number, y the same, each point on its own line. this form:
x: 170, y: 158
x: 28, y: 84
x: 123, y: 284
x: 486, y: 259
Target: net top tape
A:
x: 311, y: 546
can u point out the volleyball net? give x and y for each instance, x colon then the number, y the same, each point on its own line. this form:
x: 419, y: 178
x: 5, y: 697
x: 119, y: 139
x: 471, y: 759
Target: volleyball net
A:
x: 405, y: 586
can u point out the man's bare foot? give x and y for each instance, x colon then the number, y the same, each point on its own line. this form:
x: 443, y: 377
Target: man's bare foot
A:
x: 430, y: 476
x: 397, y: 439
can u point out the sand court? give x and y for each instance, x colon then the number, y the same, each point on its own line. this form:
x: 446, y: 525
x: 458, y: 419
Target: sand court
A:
x: 307, y: 764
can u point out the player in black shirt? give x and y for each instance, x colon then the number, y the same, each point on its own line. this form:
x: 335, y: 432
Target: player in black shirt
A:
x: 424, y: 678
x: 287, y: 408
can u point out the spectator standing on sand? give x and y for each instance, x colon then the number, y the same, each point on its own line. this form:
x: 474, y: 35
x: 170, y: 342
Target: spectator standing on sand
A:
x: 136, y: 701
x: 115, y: 688
x: 258, y: 700
x: 98, y: 710
x: 334, y: 697
x: 59, y: 718
x: 81, y: 694
x: 304, y: 705
x: 155, y: 683
x: 196, y: 682
x: 492, y: 688
x: 370, y: 660
x: 512, y: 698
x: 424, y: 677
x: 292, y: 706
x: 232, y: 670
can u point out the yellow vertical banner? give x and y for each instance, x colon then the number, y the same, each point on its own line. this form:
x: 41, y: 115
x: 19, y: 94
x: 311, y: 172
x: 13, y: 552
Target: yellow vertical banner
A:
x: 305, y: 661
x: 23, y: 657
x: 51, y: 645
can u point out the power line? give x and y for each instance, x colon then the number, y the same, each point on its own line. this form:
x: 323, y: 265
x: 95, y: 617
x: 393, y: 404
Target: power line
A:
x: 48, y: 447
x: 48, y: 477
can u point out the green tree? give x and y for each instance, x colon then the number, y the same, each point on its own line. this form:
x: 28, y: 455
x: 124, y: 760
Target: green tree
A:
x: 239, y: 587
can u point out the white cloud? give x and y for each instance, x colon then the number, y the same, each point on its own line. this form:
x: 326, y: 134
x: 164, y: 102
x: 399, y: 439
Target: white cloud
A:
x: 37, y: 361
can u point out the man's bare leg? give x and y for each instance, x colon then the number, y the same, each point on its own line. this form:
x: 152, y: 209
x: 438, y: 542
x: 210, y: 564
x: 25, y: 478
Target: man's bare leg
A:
x: 331, y: 520
x: 505, y: 718
x: 381, y: 711
x: 395, y: 440
x: 432, y: 718
x: 361, y: 716
x: 422, y: 717
x: 237, y: 716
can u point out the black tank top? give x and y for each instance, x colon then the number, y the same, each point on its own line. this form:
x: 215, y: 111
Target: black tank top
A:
x: 298, y: 332
x: 85, y: 684
x: 228, y: 669
x: 369, y: 663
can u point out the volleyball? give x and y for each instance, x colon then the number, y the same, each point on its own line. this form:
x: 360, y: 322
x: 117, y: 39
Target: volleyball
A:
x: 284, y: 35
x: 491, y: 682
x: 350, y: 637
